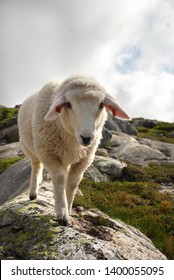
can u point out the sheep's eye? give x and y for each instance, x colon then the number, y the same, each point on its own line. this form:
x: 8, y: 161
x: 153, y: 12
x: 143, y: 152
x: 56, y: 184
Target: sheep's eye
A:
x: 68, y: 105
x: 101, y: 105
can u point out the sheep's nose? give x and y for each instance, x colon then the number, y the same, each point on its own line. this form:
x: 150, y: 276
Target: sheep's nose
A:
x: 86, y: 140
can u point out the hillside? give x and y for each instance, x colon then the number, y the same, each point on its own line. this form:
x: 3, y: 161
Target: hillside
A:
x: 131, y: 179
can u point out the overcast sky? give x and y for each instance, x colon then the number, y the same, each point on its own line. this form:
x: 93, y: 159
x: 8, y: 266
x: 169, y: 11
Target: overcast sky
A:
x: 127, y: 45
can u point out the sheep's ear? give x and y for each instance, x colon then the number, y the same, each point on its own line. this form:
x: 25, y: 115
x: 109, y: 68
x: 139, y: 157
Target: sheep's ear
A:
x: 55, y: 108
x: 116, y: 110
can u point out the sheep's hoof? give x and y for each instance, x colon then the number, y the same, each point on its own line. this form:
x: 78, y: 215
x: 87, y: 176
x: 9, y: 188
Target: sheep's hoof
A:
x: 33, y: 197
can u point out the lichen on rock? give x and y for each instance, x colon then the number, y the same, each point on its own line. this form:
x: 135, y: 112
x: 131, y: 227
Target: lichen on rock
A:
x: 28, y: 230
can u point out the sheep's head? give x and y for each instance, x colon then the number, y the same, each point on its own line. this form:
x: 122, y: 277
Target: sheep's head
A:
x: 81, y: 104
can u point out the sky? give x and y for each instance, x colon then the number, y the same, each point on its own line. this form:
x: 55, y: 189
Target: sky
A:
x: 127, y: 45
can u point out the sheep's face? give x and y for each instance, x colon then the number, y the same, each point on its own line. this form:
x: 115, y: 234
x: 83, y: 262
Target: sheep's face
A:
x: 83, y: 114
x: 81, y: 110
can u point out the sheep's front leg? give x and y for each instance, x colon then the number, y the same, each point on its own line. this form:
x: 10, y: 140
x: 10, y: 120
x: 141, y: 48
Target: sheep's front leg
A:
x: 61, y: 205
x: 75, y: 175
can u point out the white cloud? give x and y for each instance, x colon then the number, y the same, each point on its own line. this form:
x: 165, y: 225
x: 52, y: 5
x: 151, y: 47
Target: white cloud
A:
x: 147, y: 95
x: 127, y: 45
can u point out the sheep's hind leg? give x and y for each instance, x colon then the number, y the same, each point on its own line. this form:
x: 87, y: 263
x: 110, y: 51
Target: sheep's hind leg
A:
x: 36, y: 178
x: 36, y: 171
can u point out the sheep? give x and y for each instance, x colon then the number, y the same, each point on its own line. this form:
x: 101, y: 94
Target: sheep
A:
x: 60, y: 128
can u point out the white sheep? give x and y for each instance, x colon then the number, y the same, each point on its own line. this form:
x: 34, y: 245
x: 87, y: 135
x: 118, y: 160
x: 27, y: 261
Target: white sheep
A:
x: 60, y: 127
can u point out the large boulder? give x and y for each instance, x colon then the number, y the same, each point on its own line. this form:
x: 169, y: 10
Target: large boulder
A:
x: 106, y: 137
x: 14, y: 180
x: 10, y: 150
x: 115, y: 124
x: 165, y: 148
x: 9, y: 132
x: 28, y: 230
x: 94, y: 174
x: 104, y: 169
x: 128, y: 148
x: 138, y: 154
x: 109, y: 167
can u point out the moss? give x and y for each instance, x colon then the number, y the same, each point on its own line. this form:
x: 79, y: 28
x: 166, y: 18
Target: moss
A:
x: 139, y: 204
x: 6, y: 163
x: 31, y: 238
x: 83, y: 241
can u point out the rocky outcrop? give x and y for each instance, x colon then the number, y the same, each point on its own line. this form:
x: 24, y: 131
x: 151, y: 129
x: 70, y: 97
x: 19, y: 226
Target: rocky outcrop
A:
x: 9, y: 132
x: 28, y: 230
x: 141, y: 122
x: 114, y: 124
x: 106, y: 137
x: 10, y: 150
x: 137, y: 153
x: 140, y: 151
x: 14, y: 180
x: 105, y: 169
x: 166, y: 148
x: 112, y: 168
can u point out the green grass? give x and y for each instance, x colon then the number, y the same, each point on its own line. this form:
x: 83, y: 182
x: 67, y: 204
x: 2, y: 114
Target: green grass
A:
x: 139, y: 204
x: 7, y: 113
x: 6, y: 163
x: 159, y: 173
x: 162, y: 132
